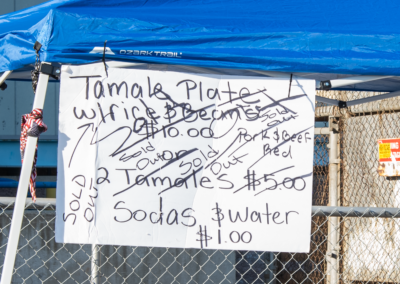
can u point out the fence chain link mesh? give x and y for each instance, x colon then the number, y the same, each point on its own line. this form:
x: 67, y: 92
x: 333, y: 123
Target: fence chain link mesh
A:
x: 367, y: 250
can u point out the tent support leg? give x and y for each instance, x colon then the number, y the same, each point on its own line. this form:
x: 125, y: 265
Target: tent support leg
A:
x: 333, y: 250
x: 95, y: 264
x: 22, y: 192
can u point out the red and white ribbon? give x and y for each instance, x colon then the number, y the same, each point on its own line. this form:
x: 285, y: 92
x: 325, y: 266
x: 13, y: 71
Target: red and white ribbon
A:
x: 31, y: 125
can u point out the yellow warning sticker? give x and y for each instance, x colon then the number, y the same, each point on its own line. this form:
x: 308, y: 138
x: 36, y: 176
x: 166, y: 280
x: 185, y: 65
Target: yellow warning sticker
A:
x: 384, y: 151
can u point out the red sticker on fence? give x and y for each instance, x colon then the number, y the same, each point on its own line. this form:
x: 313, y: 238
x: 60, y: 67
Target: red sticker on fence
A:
x: 389, y: 149
x: 389, y: 157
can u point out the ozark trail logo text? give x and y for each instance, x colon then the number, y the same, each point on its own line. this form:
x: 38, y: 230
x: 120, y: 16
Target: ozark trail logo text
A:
x: 100, y: 50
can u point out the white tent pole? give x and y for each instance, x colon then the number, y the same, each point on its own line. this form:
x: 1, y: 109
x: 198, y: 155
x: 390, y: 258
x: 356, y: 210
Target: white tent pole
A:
x: 333, y: 250
x: 19, y: 206
x: 95, y: 264
x: 330, y: 84
x: 355, y: 80
x: 4, y: 76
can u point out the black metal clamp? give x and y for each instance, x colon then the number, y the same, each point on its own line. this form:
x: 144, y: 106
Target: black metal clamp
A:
x: 325, y: 85
x: 342, y: 104
x: 51, y: 70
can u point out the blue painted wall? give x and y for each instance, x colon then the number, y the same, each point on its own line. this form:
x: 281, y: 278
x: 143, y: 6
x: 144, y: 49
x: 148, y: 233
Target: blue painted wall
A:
x: 17, y: 100
x: 10, y: 156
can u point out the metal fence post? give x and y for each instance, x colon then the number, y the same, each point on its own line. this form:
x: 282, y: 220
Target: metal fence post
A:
x: 334, y: 181
x: 19, y: 206
x: 95, y: 264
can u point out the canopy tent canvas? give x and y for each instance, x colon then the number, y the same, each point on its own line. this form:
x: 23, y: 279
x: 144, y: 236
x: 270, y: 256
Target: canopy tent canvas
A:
x: 318, y: 40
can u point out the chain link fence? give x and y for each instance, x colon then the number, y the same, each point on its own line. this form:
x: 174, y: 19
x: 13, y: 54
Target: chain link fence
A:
x: 366, y: 249
x: 41, y: 260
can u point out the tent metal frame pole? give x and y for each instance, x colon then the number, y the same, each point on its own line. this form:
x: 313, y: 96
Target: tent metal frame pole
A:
x: 4, y: 76
x: 95, y: 264
x: 332, y: 256
x: 327, y: 101
x: 20, y: 201
x: 329, y: 84
x: 373, y: 99
x: 337, y: 83
x: 343, y: 104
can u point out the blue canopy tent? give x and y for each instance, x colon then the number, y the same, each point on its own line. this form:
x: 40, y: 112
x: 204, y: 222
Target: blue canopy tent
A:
x: 322, y: 40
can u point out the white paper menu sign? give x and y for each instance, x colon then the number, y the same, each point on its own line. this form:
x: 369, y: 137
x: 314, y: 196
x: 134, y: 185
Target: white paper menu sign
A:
x: 168, y: 159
